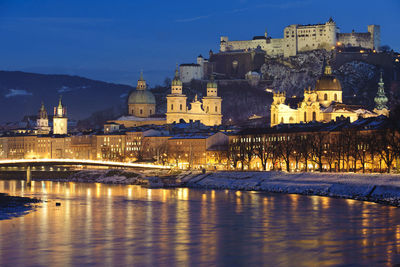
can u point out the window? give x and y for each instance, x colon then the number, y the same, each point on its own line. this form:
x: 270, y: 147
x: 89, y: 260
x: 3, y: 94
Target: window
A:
x: 141, y: 111
x: 305, y: 116
x: 314, y: 116
x: 282, y: 120
x: 216, y: 109
x: 325, y: 96
x: 150, y: 111
x: 335, y: 97
x: 180, y: 106
x: 172, y: 106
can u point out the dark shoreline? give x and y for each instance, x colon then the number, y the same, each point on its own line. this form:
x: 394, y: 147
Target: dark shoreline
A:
x: 14, y: 206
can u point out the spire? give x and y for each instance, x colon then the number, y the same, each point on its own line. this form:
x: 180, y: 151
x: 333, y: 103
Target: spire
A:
x: 42, y: 112
x: 59, y: 102
x: 176, y: 72
x: 381, y: 99
x: 141, y: 75
x: 176, y: 81
x: 141, y: 84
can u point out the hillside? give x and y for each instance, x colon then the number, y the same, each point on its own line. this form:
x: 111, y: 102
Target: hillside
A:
x: 358, y: 75
x: 21, y: 94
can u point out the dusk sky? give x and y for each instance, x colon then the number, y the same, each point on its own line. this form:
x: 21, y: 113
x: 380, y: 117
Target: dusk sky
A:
x: 113, y: 40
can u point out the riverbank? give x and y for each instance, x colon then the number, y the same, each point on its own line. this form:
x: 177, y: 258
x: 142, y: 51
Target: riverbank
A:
x: 12, y: 206
x: 380, y: 188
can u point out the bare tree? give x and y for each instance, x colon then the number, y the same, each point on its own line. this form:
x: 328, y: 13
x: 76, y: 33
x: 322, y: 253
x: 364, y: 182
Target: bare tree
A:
x: 318, y: 150
x: 263, y: 149
x: 304, y: 146
x: 286, y: 147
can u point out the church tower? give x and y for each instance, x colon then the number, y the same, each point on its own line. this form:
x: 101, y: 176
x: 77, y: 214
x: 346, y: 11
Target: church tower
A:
x: 42, y: 122
x: 60, y: 120
x: 212, y: 104
x: 176, y: 101
x: 381, y: 100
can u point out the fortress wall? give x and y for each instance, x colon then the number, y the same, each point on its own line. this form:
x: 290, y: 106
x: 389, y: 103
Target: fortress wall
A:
x: 356, y: 39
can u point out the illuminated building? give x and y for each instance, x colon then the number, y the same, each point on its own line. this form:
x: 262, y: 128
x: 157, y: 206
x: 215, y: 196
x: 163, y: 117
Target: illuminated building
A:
x: 324, y: 103
x: 141, y: 108
x: 42, y: 122
x: 60, y: 120
x: 208, y: 111
x: 381, y: 99
x: 299, y: 38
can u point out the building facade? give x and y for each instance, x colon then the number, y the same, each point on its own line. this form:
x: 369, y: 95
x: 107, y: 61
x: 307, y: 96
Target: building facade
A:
x: 208, y: 111
x: 323, y: 104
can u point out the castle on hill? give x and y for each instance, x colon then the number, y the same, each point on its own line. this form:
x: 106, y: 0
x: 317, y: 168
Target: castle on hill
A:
x: 299, y: 38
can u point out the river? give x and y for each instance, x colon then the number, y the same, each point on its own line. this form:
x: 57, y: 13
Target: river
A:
x: 116, y: 225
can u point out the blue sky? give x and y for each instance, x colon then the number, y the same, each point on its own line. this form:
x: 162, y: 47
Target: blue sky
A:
x: 113, y: 40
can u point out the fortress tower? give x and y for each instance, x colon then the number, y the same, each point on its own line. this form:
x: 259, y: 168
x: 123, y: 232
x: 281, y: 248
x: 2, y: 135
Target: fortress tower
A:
x: 60, y: 120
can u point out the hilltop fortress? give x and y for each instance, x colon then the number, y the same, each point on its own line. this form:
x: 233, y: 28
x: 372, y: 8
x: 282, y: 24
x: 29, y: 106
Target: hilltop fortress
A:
x: 299, y: 38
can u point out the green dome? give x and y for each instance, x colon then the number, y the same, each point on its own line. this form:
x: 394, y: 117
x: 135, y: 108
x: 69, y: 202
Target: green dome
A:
x: 212, y: 83
x: 141, y: 97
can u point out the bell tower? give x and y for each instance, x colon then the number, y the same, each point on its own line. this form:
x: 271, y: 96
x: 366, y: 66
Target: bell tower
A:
x: 381, y: 100
x: 60, y: 120
x: 176, y: 101
x: 42, y: 122
x: 212, y: 104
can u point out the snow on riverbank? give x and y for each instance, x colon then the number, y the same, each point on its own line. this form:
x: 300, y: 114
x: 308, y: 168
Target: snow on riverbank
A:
x: 383, y: 188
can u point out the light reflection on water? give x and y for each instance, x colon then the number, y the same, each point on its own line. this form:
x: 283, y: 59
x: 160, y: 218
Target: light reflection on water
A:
x: 125, y: 225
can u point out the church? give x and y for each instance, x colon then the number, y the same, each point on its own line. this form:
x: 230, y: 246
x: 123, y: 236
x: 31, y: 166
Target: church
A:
x: 323, y: 103
x: 207, y: 111
x: 141, y: 108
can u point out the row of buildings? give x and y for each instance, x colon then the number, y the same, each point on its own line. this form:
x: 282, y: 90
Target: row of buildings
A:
x: 368, y: 144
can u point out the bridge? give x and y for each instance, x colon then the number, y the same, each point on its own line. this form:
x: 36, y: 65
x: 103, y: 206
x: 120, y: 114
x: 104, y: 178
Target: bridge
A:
x: 28, y: 163
x: 58, y: 162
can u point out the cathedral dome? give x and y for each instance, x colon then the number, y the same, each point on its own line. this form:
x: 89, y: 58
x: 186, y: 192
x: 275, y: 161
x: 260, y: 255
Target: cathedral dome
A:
x: 141, y: 97
x: 328, y: 82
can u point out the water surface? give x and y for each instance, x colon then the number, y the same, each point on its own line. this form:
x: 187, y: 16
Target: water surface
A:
x: 128, y: 225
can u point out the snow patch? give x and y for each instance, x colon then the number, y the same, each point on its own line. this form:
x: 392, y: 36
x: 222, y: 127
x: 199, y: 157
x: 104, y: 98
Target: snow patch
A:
x: 17, y: 92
